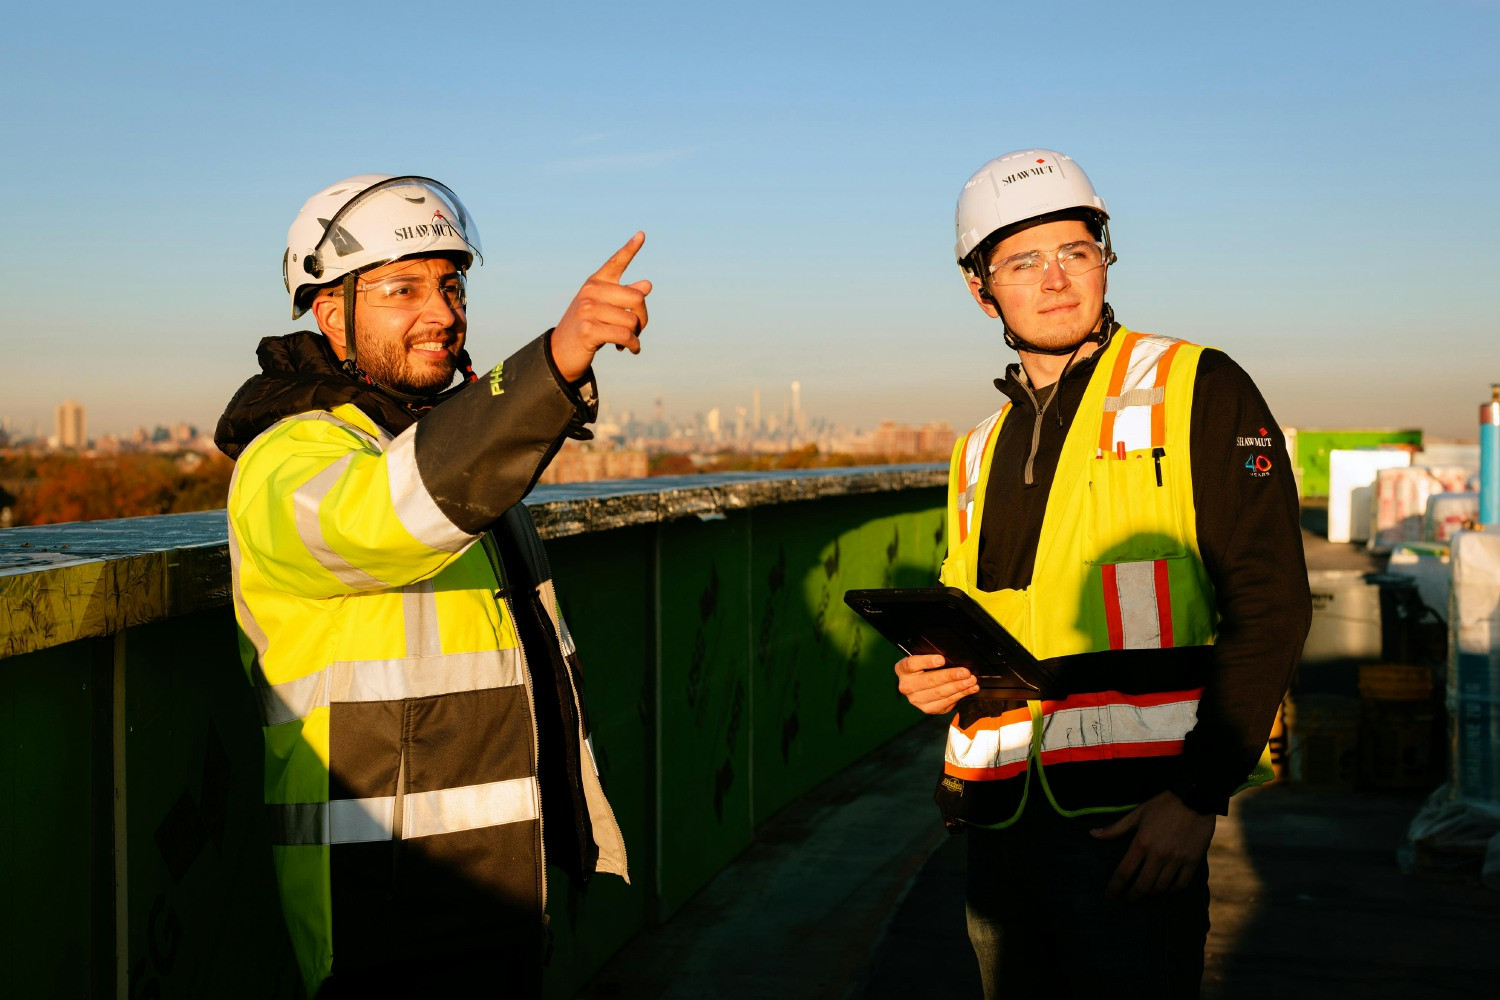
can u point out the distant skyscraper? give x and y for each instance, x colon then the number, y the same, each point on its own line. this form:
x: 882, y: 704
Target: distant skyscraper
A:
x: 799, y: 422
x: 72, y: 428
x: 712, y: 424
x: 756, y: 423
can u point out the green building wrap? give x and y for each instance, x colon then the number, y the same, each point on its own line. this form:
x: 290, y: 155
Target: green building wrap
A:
x: 723, y: 673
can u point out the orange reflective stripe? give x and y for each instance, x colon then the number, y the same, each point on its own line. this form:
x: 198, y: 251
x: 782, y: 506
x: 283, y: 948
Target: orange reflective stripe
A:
x: 1116, y: 382
x: 1112, y: 623
x: 994, y: 721
x: 985, y: 773
x: 1159, y: 411
x: 994, y: 748
x: 976, y: 446
x: 1111, y: 751
x: 1164, y: 602
x: 1149, y: 699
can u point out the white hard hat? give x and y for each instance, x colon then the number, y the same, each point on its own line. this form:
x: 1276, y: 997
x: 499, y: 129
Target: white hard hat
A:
x: 368, y: 220
x: 1016, y: 187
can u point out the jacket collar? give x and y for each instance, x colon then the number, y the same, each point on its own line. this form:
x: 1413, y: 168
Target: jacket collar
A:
x: 300, y: 372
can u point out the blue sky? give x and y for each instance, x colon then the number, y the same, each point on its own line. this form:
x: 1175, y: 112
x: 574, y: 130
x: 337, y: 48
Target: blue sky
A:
x: 1311, y: 187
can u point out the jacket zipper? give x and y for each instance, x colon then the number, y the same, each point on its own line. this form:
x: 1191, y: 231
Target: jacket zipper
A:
x: 1036, y: 426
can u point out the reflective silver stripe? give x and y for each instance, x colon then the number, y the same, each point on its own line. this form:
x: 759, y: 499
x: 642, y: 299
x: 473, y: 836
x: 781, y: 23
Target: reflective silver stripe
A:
x: 305, y: 504
x: 1118, y: 723
x: 1135, y: 593
x: 388, y: 680
x: 340, y: 821
x: 472, y: 807
x: 414, y: 506
x: 292, y: 700
x: 1073, y: 729
x: 426, y: 814
x: 326, y: 417
x: 419, y: 608
x: 248, y: 624
x: 1141, y: 372
x: 989, y: 747
x: 548, y: 595
x: 974, y: 451
x: 1148, y: 396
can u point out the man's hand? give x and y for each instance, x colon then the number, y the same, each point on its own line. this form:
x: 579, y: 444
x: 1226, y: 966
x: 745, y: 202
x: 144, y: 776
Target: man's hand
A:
x: 603, y: 312
x: 932, y: 690
x: 1170, y: 843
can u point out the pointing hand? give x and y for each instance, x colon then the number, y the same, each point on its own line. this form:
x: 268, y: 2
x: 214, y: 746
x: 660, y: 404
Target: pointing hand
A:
x: 603, y: 312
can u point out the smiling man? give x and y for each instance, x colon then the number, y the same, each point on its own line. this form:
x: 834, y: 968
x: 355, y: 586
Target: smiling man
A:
x: 420, y: 692
x: 1132, y: 509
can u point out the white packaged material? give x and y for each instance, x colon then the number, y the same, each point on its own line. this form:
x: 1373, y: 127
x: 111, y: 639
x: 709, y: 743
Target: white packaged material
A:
x: 1345, y: 617
x: 1351, y: 478
x: 1446, y: 514
x: 1400, y: 500
x: 1446, y: 835
x: 1474, y: 666
x: 1435, y: 453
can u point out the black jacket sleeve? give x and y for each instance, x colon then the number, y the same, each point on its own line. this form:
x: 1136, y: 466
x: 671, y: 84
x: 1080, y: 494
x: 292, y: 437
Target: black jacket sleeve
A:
x: 1250, y: 537
x: 480, y: 452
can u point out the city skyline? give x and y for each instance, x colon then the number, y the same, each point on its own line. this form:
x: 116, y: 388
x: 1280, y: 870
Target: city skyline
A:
x: 792, y: 425
x: 1291, y: 204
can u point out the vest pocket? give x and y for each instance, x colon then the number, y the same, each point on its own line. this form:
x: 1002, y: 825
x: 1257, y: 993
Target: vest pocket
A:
x: 1132, y: 514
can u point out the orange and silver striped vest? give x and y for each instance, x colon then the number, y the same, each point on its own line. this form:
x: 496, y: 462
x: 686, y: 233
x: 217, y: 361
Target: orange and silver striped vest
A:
x: 1119, y: 589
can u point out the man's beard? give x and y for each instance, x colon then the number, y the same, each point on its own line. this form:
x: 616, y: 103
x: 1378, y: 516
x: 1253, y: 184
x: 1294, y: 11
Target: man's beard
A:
x: 388, y: 363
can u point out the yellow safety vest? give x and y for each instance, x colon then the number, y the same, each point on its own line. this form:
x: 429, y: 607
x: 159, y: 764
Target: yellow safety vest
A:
x: 1117, y: 569
x: 394, y: 692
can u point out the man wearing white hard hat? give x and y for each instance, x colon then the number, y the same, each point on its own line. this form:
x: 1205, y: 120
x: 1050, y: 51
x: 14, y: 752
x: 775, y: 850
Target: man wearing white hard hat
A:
x: 1129, y: 513
x: 420, y: 693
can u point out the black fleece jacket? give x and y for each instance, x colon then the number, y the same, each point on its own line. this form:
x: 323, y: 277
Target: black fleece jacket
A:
x: 1248, y: 532
x: 480, y: 447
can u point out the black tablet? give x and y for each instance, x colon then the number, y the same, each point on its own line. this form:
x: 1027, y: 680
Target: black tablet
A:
x: 919, y: 620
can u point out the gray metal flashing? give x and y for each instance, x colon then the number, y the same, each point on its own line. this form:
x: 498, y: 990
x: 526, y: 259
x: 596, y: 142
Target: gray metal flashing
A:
x: 62, y: 582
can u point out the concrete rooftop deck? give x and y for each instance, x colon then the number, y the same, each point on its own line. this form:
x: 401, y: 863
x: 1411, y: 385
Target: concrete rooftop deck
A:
x: 855, y: 891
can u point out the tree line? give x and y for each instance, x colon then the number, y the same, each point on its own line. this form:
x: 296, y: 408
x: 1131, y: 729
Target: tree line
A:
x: 50, y: 489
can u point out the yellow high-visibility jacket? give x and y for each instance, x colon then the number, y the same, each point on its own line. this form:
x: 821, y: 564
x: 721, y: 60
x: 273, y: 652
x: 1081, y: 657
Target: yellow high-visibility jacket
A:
x: 1119, y: 589
x: 399, y: 625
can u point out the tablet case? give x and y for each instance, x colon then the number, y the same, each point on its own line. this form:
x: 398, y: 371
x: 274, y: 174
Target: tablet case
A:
x: 945, y: 620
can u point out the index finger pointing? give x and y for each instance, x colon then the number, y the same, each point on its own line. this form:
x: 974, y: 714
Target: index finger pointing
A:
x: 614, y: 268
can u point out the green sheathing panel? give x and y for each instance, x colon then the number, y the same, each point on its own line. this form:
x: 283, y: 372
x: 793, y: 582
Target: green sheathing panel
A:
x: 55, y: 824
x: 724, y: 677
x: 606, y: 585
x: 203, y: 915
x: 703, y: 734
x: 822, y: 687
x: 1313, y: 447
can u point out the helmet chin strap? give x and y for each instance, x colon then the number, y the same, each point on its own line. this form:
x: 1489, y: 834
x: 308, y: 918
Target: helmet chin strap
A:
x: 412, y: 400
x: 1015, y: 342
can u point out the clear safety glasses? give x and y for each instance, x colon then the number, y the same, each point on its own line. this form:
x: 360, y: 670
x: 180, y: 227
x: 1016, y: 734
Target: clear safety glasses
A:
x: 414, y: 291
x: 1029, y: 268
